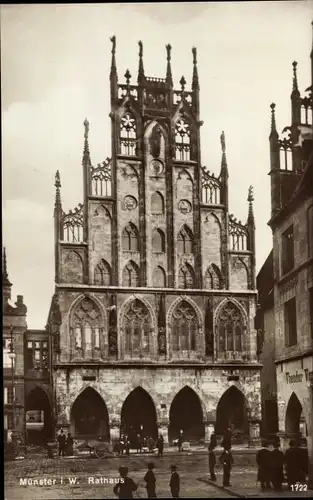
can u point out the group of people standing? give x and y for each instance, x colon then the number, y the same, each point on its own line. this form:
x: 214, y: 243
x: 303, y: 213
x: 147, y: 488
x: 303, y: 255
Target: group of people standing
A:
x: 271, y: 465
x: 140, y: 443
x: 66, y: 444
x: 127, y: 487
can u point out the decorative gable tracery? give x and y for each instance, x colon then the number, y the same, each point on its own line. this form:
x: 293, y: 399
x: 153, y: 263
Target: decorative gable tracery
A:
x: 238, y: 235
x: 211, y: 187
x: 72, y: 225
x: 101, y: 177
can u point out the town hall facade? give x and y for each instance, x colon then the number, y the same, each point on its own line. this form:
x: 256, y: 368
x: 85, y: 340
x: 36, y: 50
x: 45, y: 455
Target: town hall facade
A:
x: 152, y: 319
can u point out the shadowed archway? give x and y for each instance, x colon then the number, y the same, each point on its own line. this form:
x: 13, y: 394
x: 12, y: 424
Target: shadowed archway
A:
x: 295, y: 424
x: 186, y: 415
x: 139, y: 415
x: 232, y: 413
x: 89, y: 416
x: 38, y: 413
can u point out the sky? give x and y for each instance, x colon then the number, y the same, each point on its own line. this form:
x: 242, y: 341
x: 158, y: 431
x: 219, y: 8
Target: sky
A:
x: 55, y: 64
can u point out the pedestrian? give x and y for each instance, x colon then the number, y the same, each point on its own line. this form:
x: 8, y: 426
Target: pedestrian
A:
x: 127, y: 445
x: 226, y: 442
x: 160, y: 446
x: 151, y: 444
x: 174, y: 482
x: 263, y: 463
x: 293, y: 464
x: 69, y: 445
x: 62, y: 441
x: 213, y: 441
x: 277, y: 460
x: 212, y: 463
x: 180, y: 442
x: 150, y: 481
x: 126, y: 486
x: 226, y: 459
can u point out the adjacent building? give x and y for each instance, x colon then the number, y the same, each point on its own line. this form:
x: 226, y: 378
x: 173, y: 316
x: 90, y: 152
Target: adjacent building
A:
x: 292, y: 225
x: 265, y: 324
x: 152, y: 320
x: 13, y: 338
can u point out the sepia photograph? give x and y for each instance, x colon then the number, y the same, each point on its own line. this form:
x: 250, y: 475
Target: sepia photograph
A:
x: 157, y: 250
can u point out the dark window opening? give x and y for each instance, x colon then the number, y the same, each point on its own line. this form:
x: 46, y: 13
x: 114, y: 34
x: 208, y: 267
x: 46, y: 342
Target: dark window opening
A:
x: 290, y: 313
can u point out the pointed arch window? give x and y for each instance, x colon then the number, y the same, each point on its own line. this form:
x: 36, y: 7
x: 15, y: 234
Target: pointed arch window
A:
x: 130, y: 239
x: 182, y: 140
x: 157, y: 204
x: 102, y: 275
x: 159, y: 278
x: 86, y: 321
x: 185, y: 241
x: 158, y: 241
x: 137, y: 326
x: 184, y: 327
x: 230, y: 328
x: 186, y: 277
x: 131, y: 275
x: 213, y: 278
x: 128, y: 134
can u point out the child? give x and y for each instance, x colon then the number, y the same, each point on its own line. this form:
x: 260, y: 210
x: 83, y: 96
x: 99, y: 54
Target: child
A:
x: 126, y: 486
x: 150, y: 481
x: 212, y: 462
x: 226, y: 459
x: 174, y: 482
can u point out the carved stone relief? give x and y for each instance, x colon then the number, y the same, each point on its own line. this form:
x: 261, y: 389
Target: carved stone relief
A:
x: 129, y: 203
x: 184, y: 206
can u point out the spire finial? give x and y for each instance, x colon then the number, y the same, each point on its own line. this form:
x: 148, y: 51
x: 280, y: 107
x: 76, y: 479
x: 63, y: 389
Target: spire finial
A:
x: 141, y: 72
x: 273, y: 120
x: 183, y: 83
x: 223, y: 142
x: 5, y: 276
x: 169, y: 78
x: 295, y: 80
x: 195, y: 77
x: 128, y: 77
x: 224, y: 168
x: 57, y: 184
x: 113, y: 61
x: 86, y: 153
x: 250, y: 200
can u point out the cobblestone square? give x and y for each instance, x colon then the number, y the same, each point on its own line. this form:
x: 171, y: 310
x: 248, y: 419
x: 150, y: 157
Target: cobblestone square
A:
x: 78, y: 478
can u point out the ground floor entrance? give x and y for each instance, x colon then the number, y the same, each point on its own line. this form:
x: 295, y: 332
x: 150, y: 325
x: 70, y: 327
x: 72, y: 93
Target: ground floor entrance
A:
x: 89, y: 416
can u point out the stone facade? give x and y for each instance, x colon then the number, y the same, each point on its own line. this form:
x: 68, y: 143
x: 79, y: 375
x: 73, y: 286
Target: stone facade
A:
x: 265, y: 323
x: 14, y: 329
x: 155, y: 280
x: 292, y: 226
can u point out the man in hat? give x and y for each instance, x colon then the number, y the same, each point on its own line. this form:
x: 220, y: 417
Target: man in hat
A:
x: 174, y: 482
x: 150, y: 481
x: 277, y: 461
x: 263, y: 458
x: 126, y: 486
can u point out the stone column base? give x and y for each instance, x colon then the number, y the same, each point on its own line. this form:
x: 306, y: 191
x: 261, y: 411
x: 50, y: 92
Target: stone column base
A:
x: 114, y: 433
x: 163, y: 431
x: 254, y: 440
x: 209, y: 428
